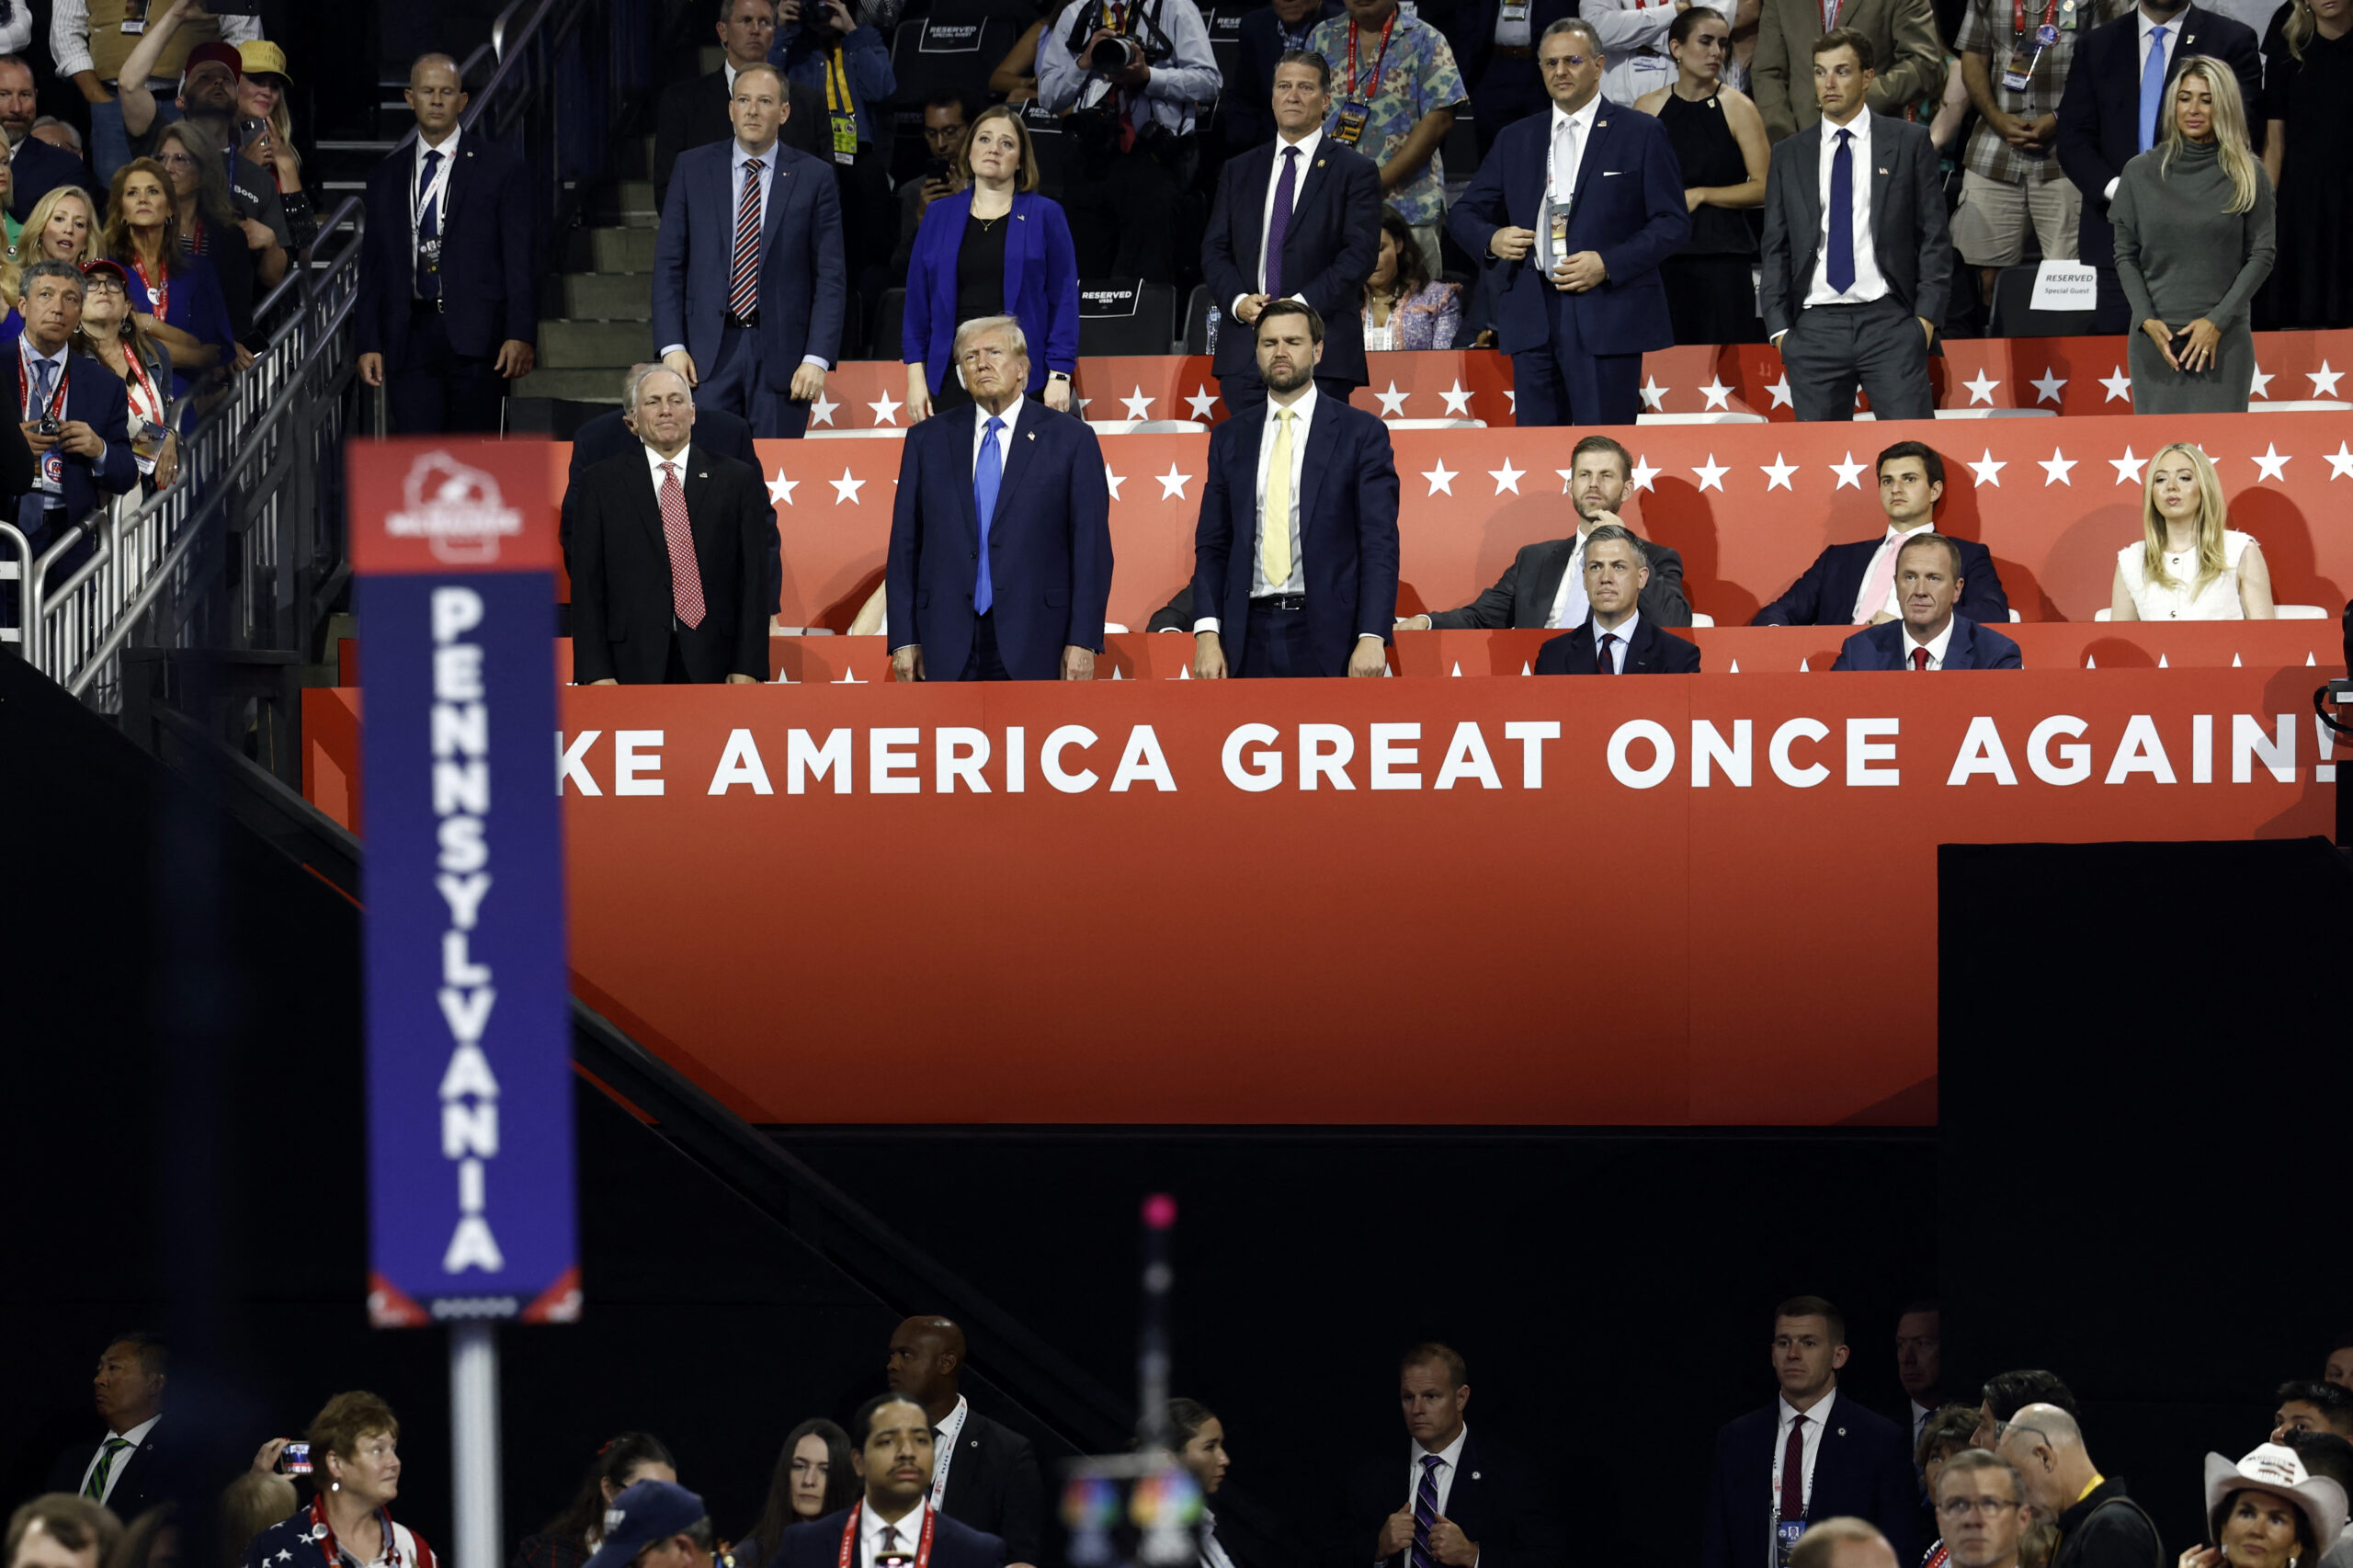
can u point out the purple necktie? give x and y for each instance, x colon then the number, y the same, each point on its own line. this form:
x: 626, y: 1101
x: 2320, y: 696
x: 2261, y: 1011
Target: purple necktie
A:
x: 1278, y: 225
x: 1425, y: 1509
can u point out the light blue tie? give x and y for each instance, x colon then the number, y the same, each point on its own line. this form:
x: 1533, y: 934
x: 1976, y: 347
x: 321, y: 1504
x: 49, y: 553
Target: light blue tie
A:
x: 2152, y: 87
x: 987, y: 475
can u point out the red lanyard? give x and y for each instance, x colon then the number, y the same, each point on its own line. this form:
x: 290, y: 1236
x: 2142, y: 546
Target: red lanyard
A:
x: 141, y: 382
x: 25, y: 386
x: 324, y: 1533
x: 849, y: 1537
x: 158, y: 300
x: 1377, y: 64
x: 2018, y: 16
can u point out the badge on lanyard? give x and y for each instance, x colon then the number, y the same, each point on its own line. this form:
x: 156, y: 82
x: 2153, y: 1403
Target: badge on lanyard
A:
x: 1515, y: 11
x: 1785, y: 1531
x: 840, y: 111
x: 1352, y: 122
x: 2016, y: 81
x: 1560, y: 234
x: 844, y: 138
x: 134, y: 17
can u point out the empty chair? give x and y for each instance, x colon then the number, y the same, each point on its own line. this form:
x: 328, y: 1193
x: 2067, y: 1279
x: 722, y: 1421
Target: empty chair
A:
x: 1125, y: 317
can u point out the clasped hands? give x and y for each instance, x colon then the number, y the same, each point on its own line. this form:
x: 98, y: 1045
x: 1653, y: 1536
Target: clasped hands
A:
x: 2199, y: 355
x: 1576, y: 274
x: 1448, y: 1543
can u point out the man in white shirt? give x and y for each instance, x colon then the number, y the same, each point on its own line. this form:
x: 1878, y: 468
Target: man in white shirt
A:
x: 892, y: 1524
x: 121, y: 1469
x: 1855, y: 583
x: 1456, y: 1500
x: 1929, y: 636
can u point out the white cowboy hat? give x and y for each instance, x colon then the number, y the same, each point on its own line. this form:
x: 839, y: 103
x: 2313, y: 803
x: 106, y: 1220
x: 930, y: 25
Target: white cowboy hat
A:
x: 2278, y: 1470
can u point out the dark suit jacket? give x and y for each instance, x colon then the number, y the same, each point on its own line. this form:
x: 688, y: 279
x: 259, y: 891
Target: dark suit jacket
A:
x: 1473, y: 37
x: 1650, y: 652
x: 804, y: 283
x: 489, y: 287
x: 1348, y: 509
x: 716, y: 430
x: 1907, y: 221
x: 953, y: 1545
x: 93, y: 394
x: 992, y: 1486
x: 1627, y: 208
x: 1826, y: 595
x: 1328, y: 252
x: 1523, y: 596
x: 1497, y: 1498
x: 1862, y: 1468
x: 621, y: 604
x: 39, y: 168
x: 2099, y: 112
x: 1049, y: 544
x: 1246, y: 102
x: 156, y: 1472
x: 1973, y: 647
x: 693, y: 114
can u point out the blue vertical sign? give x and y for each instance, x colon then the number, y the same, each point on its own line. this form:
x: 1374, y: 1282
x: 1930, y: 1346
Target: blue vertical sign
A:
x: 470, y: 1155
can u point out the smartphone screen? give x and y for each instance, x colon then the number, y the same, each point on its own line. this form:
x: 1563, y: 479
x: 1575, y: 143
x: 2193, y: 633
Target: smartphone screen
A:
x: 296, y: 1460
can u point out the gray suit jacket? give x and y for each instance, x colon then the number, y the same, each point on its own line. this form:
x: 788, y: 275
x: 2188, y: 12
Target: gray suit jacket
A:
x: 1907, y: 221
x: 1523, y: 596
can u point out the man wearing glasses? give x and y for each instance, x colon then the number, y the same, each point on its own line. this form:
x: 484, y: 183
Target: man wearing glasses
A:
x: 1981, y: 1507
x: 1572, y: 212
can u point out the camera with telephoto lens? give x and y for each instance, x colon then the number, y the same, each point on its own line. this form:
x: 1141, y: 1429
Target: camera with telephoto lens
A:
x: 1111, y: 56
x: 1096, y: 118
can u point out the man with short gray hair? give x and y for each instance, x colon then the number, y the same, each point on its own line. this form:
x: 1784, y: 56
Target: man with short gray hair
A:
x: 1981, y: 1509
x: 1842, y: 1543
x: 2100, y: 1527
x: 76, y: 417
x: 1615, y: 639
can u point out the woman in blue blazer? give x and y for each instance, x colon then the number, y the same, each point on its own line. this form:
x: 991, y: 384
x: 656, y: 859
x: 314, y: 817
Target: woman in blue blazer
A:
x: 994, y: 249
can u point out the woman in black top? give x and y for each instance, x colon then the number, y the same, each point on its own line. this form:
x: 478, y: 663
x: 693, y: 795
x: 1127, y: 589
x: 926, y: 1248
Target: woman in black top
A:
x: 2308, y: 98
x: 572, y: 1537
x: 1718, y: 141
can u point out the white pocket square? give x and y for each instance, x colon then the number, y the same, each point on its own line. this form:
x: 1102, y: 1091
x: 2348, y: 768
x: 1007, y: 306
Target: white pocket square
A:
x: 1612, y: 174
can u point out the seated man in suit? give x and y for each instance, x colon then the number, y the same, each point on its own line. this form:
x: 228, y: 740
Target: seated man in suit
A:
x: 1810, y: 1455
x: 1856, y: 582
x: 1857, y: 261
x: 983, y: 1473
x: 130, y: 1469
x: 76, y: 419
x: 1615, y: 639
x: 1457, y: 1500
x: 1000, y: 562
x: 893, y: 1521
x: 1295, y: 556
x: 1929, y: 636
x: 1544, y: 585
x: 669, y: 557
x: 693, y: 114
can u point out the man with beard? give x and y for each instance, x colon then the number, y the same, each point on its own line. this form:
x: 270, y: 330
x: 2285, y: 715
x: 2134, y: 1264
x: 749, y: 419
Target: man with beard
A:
x: 208, y: 97
x: 892, y: 1524
x: 35, y: 169
x: 983, y: 1473
x: 1544, y: 585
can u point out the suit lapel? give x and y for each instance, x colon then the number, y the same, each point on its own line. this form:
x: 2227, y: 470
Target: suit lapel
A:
x: 648, y: 504
x: 1311, y: 185
x: 1642, y: 648
x: 1322, y: 438
x: 1254, y: 213
x: 1809, y: 157
x: 702, y: 514
x: 1016, y: 233
x: 1882, y: 175
x: 966, y: 507
x: 1961, y: 654
x: 1546, y: 585
x: 779, y: 188
x: 1589, y: 159
x: 1016, y: 462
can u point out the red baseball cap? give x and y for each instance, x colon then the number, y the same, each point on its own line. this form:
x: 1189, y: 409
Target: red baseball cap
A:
x: 215, y: 49
x: 102, y: 264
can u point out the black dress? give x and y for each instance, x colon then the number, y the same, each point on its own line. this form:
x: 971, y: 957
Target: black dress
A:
x: 980, y: 289
x: 1711, y: 293
x: 2314, y: 96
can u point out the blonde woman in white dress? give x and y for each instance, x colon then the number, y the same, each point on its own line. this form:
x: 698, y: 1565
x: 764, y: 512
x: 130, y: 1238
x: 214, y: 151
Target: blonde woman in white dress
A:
x: 2189, y: 564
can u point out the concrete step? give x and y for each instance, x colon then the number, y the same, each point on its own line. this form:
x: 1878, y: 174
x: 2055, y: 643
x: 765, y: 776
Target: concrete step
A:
x: 589, y: 345
x: 607, y: 296
x: 572, y: 385
x: 609, y: 250
x: 606, y: 216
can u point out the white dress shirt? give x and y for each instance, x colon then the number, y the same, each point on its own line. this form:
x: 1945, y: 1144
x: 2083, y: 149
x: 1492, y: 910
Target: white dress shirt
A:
x: 1213, y: 1553
x: 1624, y: 633
x: 1303, y: 419
x: 444, y: 170
x: 1305, y: 160
x: 909, y: 1530
x: 1004, y: 462
x: 1571, y: 134
x: 135, y: 1437
x: 1815, y: 1421
x: 1450, y: 1459
x: 1921, y: 1414
x: 1935, y: 645
x: 1887, y: 547
x: 737, y: 156
x: 1870, y: 283
x: 653, y: 461
x: 1569, y: 603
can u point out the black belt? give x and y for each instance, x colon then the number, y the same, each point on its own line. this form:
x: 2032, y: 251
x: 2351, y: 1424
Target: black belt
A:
x: 1280, y: 601
x: 419, y: 306
x: 746, y: 323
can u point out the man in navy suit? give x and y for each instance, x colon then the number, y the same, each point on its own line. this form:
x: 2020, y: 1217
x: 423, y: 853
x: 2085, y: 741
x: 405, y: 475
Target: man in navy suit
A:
x: 1000, y: 561
x: 1572, y: 212
x: 1297, y: 219
x: 35, y: 169
x: 1810, y: 1455
x: 133, y: 1468
x: 1856, y: 583
x: 85, y: 457
x: 449, y: 301
x: 749, y: 284
x: 1616, y: 638
x: 1458, y: 1500
x: 1929, y: 636
x: 892, y: 1522
x: 1264, y: 34
x: 2109, y: 110
x: 1295, y: 556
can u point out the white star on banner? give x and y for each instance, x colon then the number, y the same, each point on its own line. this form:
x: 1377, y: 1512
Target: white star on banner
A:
x: 2340, y: 462
x: 1512, y: 402
x: 1654, y: 394
x: 1441, y: 479
x: 1392, y: 402
x: 1782, y: 398
x: 1987, y: 470
x: 781, y: 488
x: 2047, y: 388
x: 1981, y: 389
x: 1568, y: 477
x: 1081, y: 403
x: 849, y: 677
x: 2323, y: 380
x: 1113, y: 481
x: 2271, y: 465
x: 1138, y: 406
x: 1711, y: 475
x: 1203, y: 403
x: 1850, y: 474
x: 2128, y: 468
x: 822, y: 411
x: 846, y: 488
x: 1507, y: 477
x: 2055, y: 469
x: 1717, y: 394
x: 1778, y: 471
x: 885, y: 411
x: 2119, y: 385
x: 1171, y: 483
x: 1643, y: 474
x: 1458, y: 402
x: 2262, y: 387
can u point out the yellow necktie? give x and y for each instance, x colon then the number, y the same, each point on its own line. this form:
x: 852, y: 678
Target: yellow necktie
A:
x: 1274, y: 520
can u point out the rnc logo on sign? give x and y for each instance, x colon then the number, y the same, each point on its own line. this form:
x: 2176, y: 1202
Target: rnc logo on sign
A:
x: 457, y: 510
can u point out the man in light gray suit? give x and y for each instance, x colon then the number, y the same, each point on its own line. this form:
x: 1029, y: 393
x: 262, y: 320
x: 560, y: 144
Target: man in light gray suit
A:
x: 1857, y: 261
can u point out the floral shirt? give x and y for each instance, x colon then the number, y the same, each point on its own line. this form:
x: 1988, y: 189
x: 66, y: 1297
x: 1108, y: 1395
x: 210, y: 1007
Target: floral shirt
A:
x: 1417, y: 75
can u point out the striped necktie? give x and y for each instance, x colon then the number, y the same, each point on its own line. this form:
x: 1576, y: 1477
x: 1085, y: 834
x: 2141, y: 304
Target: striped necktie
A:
x: 95, y: 1488
x: 744, y: 278
x: 1425, y: 1512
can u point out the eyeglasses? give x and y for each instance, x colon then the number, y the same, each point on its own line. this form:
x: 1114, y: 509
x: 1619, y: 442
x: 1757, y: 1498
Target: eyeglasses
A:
x: 1568, y: 62
x: 1962, y: 1508
x: 175, y: 161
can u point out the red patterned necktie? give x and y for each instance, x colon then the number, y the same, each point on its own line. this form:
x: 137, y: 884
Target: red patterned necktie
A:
x: 686, y: 577
x: 1919, y: 658
x: 1793, y: 1471
x: 744, y: 279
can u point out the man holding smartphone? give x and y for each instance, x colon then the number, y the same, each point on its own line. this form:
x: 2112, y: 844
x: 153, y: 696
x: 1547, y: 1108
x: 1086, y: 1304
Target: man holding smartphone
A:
x: 819, y: 43
x: 130, y: 126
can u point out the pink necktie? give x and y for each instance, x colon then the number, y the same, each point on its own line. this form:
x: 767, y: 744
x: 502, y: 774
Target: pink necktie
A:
x: 686, y: 577
x: 1879, y: 584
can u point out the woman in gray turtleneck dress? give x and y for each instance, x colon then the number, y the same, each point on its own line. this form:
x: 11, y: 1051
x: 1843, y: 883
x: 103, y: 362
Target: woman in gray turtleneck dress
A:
x: 2193, y: 243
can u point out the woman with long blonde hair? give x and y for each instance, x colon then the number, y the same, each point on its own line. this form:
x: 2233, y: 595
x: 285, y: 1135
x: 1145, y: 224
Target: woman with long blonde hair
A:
x: 2194, y: 241
x: 2189, y: 563
x: 62, y: 226
x: 2308, y: 103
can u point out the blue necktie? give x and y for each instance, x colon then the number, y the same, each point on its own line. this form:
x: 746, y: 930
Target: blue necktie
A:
x: 1278, y: 224
x: 987, y: 474
x: 2152, y: 87
x: 428, y: 234
x: 1841, y: 262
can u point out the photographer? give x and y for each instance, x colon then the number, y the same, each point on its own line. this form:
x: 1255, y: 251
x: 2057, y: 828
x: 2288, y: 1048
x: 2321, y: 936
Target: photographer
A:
x: 1129, y: 75
x: 821, y: 43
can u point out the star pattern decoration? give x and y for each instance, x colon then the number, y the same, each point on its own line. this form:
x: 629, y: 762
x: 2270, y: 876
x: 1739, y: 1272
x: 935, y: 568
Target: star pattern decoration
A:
x: 1203, y: 403
x: 2047, y: 386
x: 1981, y: 389
x: 1712, y: 473
x: 1512, y: 402
x: 1171, y: 483
x: 846, y: 488
x: 1644, y: 476
x: 1654, y: 395
x: 781, y: 488
x: 885, y: 411
x: 2262, y: 388
x: 1458, y: 402
x: 1441, y: 479
x: 1568, y: 477
x: 1392, y: 402
x: 1138, y: 406
x: 1777, y: 473
x: 2128, y: 468
x: 822, y: 411
x: 2270, y: 465
x: 1987, y: 470
x: 1850, y: 474
x: 1782, y: 396
x: 1718, y: 396
x: 2119, y: 385
x: 1113, y: 481
x: 1507, y: 477
x: 2340, y: 462
x: 2055, y: 469
x: 2324, y: 381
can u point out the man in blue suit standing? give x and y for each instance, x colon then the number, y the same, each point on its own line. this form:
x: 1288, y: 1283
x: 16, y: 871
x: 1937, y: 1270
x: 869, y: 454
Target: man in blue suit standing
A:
x: 1000, y: 562
x: 1808, y: 1455
x: 1929, y: 636
x: 1572, y: 212
x: 1295, y: 556
x: 749, y: 283
x: 448, y: 305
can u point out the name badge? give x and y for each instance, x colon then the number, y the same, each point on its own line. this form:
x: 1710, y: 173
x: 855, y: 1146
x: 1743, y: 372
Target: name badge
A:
x: 1560, y: 235
x: 2016, y: 81
x: 134, y: 17
x: 1352, y: 123
x: 844, y: 138
x: 1515, y: 11
x: 1786, y: 1533
x: 53, y: 469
